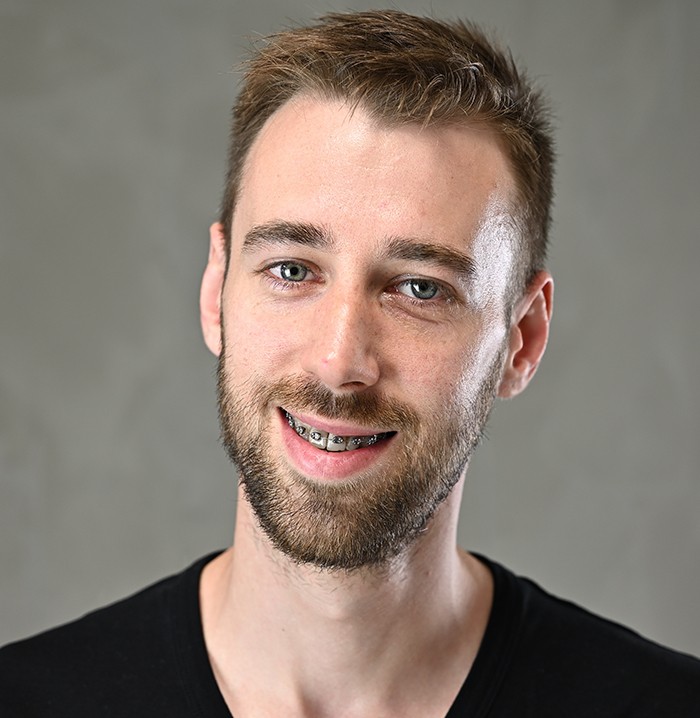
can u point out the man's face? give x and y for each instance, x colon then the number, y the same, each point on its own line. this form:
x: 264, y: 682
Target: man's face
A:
x: 365, y: 325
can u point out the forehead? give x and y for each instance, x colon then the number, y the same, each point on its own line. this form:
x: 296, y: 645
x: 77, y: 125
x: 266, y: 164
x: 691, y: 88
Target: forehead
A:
x: 324, y: 163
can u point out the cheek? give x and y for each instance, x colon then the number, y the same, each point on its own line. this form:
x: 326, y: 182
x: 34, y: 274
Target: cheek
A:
x: 454, y: 372
x: 430, y: 372
x: 257, y: 339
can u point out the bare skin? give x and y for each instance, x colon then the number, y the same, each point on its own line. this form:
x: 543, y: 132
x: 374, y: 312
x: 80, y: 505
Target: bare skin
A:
x: 290, y: 639
x: 297, y: 642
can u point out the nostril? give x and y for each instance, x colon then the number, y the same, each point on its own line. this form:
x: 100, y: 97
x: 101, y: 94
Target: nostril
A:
x: 354, y: 385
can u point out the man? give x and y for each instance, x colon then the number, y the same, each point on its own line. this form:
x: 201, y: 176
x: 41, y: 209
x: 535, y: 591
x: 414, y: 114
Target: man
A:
x: 376, y: 279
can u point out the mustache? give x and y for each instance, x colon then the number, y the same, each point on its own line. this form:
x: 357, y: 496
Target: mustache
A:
x: 365, y: 407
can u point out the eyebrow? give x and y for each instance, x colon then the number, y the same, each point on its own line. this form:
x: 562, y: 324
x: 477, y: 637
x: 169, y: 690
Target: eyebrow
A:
x: 413, y: 250
x: 398, y: 247
x: 282, y: 232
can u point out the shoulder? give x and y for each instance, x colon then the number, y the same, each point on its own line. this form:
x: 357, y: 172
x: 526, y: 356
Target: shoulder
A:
x: 560, y: 651
x: 95, y: 662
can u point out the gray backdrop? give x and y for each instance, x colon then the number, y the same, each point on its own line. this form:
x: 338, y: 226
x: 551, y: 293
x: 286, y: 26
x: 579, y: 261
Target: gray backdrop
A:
x: 114, y: 122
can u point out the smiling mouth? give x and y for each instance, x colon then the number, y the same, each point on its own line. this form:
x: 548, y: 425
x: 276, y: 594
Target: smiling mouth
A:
x: 326, y: 441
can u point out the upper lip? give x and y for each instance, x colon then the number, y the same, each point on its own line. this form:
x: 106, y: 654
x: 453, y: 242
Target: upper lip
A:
x: 337, y: 429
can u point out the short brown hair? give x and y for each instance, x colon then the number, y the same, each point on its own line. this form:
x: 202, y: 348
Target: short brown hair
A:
x: 406, y: 69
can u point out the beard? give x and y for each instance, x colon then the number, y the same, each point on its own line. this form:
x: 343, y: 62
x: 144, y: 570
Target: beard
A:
x: 372, y: 517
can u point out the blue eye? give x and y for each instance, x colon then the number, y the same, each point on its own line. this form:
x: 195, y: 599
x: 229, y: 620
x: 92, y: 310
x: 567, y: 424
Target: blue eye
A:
x: 290, y: 271
x: 419, y: 288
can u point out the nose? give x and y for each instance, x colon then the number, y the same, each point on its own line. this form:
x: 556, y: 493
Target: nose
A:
x: 341, y: 349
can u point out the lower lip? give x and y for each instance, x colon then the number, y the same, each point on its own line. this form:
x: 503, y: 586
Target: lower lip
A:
x: 328, y: 465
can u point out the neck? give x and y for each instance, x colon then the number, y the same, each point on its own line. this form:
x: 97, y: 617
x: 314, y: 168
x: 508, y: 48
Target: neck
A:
x: 344, y: 642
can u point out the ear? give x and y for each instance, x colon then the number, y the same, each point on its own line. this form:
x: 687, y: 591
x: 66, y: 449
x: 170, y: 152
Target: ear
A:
x: 212, y: 286
x: 529, y: 331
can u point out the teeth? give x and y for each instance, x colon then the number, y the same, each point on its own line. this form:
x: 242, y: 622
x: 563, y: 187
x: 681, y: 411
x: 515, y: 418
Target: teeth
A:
x: 335, y: 443
x: 301, y: 429
x: 328, y: 441
x: 318, y: 438
x: 353, y: 443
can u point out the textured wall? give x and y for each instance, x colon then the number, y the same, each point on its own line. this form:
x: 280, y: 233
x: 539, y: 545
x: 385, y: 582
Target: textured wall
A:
x: 114, y: 122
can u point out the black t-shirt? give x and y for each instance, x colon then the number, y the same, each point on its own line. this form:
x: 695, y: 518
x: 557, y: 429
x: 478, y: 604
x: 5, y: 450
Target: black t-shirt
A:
x: 540, y: 657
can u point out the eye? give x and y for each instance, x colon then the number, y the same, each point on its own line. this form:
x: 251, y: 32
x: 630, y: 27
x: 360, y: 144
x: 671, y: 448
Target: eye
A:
x: 419, y: 288
x: 290, y: 271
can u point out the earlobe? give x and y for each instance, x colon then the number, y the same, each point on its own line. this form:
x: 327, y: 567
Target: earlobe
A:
x: 212, y: 286
x: 529, y: 332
